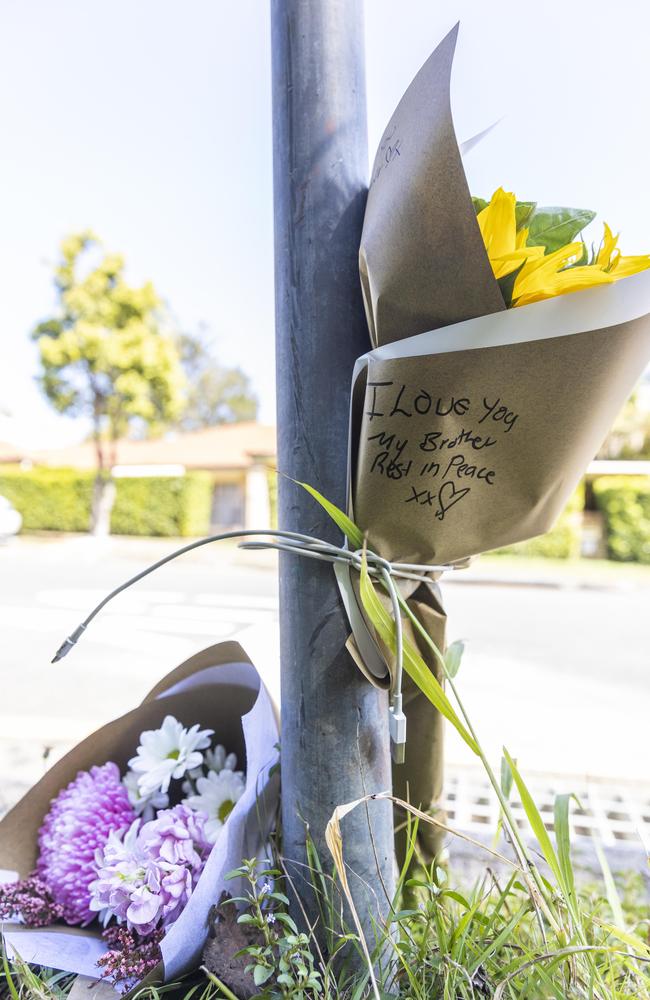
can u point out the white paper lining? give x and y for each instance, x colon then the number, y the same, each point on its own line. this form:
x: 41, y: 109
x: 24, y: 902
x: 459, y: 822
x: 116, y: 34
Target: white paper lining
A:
x: 562, y: 316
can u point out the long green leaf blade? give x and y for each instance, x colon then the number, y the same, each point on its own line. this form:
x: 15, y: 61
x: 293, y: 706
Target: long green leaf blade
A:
x: 535, y: 820
x: 627, y: 937
x: 414, y: 665
x: 563, y: 840
x: 353, y: 534
x: 8, y: 977
x: 613, y: 897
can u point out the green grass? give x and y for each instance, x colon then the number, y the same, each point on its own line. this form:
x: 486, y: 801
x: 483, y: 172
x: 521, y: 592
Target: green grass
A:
x: 448, y: 942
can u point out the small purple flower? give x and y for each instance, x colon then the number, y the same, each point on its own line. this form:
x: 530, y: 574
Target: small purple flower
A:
x: 129, y: 957
x: 265, y: 888
x: 31, y: 900
x: 78, y: 824
x: 146, y: 875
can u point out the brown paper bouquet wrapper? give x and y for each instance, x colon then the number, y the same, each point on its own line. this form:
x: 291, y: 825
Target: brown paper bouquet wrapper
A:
x: 470, y: 424
x: 220, y: 689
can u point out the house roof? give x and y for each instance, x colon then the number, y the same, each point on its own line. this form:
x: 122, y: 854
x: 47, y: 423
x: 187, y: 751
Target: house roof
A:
x: 10, y: 453
x: 227, y: 446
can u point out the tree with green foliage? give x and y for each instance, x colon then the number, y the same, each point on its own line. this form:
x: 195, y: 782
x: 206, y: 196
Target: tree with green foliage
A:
x: 107, y: 354
x: 215, y: 394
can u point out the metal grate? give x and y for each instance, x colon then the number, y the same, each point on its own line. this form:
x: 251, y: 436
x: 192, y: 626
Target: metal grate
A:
x: 610, y: 811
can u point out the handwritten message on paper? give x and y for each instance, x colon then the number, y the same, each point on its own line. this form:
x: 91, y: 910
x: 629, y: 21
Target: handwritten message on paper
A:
x: 450, y: 446
x: 389, y: 150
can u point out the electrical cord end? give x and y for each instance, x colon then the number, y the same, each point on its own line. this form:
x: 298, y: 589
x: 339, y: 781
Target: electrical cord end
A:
x: 69, y: 643
x: 397, y: 730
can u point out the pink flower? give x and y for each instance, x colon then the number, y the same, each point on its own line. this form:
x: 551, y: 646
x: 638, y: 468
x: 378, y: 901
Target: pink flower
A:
x: 129, y: 957
x: 77, y: 825
x: 146, y: 875
x: 31, y: 900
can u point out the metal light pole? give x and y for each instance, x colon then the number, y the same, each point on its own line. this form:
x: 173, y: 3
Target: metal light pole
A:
x: 335, y: 744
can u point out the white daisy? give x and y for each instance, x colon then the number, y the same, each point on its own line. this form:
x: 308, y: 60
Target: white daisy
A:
x: 218, y: 760
x: 213, y: 760
x: 168, y: 752
x: 216, y: 796
x: 144, y: 805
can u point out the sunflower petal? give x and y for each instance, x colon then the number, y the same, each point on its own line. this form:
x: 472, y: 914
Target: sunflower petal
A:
x: 623, y: 266
x: 575, y: 279
x: 498, y: 224
x: 607, y: 247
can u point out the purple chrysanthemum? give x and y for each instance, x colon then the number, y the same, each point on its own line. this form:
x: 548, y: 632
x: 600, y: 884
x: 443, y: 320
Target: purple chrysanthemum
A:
x: 78, y: 824
x: 146, y: 876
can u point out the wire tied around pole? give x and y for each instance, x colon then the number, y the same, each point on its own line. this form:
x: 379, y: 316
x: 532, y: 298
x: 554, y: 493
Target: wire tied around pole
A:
x: 311, y: 548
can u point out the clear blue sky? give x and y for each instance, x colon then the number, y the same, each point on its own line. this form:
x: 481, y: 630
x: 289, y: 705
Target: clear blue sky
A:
x: 149, y: 121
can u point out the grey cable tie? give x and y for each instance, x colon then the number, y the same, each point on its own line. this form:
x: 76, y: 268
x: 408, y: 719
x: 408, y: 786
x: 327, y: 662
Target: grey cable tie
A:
x: 311, y: 548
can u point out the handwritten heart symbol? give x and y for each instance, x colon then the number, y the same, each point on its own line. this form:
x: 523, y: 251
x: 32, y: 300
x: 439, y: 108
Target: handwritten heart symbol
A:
x: 448, y: 495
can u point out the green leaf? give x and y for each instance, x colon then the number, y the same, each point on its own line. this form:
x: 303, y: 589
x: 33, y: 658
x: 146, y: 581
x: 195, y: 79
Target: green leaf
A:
x: 452, y: 894
x: 535, y: 820
x: 414, y: 665
x: 261, y: 974
x: 479, y: 204
x: 495, y: 944
x: 284, y: 918
x: 507, y: 284
x: 613, y: 897
x: 554, y: 227
x: 453, y: 657
x: 9, y: 980
x: 353, y: 534
x: 506, y: 778
x: 210, y: 976
x: 563, y: 839
x: 523, y: 212
x: 632, y: 940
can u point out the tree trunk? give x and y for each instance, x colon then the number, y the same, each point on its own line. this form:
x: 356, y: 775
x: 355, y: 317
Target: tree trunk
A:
x: 103, y: 500
x: 103, y: 489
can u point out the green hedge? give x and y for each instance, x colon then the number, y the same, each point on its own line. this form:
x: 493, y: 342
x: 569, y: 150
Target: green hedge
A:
x: 49, y: 499
x: 163, y: 505
x: 562, y: 541
x: 625, y: 504
x: 61, y: 500
x: 273, y: 497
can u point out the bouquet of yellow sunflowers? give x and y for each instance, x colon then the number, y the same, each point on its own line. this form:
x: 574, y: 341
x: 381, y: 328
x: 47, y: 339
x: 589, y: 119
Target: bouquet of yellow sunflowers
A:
x: 535, y: 253
x: 488, y: 389
x: 473, y: 417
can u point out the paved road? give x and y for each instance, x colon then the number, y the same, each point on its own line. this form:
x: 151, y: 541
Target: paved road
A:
x: 559, y: 675
x: 46, y: 589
